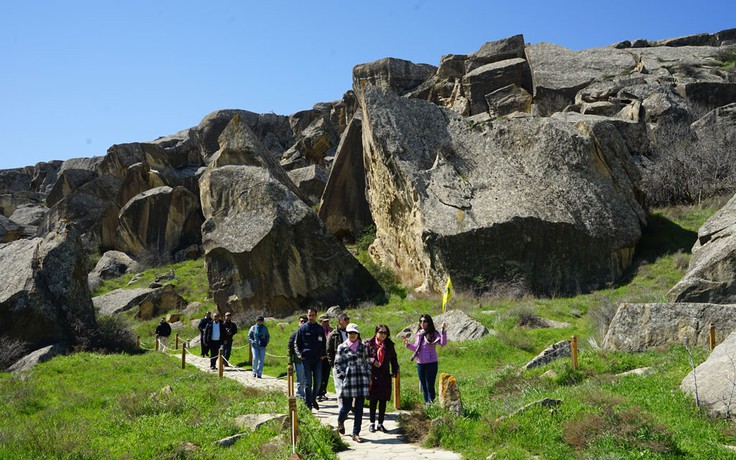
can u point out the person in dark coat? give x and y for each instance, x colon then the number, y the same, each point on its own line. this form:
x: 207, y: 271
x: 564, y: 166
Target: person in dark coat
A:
x: 354, y: 372
x: 324, y: 320
x: 213, y: 335
x: 163, y: 331
x: 294, y: 359
x: 384, y: 365
x: 311, y: 349
x: 230, y: 329
x: 202, y: 326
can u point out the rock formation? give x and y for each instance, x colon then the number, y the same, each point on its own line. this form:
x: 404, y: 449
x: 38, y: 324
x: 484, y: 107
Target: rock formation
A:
x: 265, y: 248
x: 713, y: 383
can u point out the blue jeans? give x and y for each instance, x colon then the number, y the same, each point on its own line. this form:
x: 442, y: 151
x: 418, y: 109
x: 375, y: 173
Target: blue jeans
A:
x: 259, y: 355
x: 347, y: 404
x: 226, y: 349
x: 312, y: 380
x: 299, y: 369
x: 427, y: 375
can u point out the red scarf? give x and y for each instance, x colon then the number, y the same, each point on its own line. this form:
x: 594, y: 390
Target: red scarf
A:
x: 380, y: 353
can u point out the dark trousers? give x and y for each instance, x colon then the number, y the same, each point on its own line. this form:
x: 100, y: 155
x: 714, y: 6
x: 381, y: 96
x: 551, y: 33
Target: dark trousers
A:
x: 381, y: 410
x: 427, y: 375
x: 205, y: 348
x: 312, y: 380
x: 214, y: 346
x: 325, y: 377
x: 347, y: 404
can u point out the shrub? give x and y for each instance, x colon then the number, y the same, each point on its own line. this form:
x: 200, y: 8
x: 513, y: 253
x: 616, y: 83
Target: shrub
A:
x: 11, y: 350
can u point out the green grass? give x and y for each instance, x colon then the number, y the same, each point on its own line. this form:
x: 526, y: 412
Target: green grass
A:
x: 79, y: 400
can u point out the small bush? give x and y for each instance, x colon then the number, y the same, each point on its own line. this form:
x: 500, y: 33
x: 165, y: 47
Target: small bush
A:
x: 601, y: 314
x: 11, y: 350
x: 569, y: 377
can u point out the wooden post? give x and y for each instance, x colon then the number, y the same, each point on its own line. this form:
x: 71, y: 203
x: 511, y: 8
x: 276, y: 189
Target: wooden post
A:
x: 574, y: 352
x: 712, y: 336
x: 250, y: 355
x: 290, y: 380
x: 293, y: 422
x: 397, y: 392
x: 138, y: 342
x: 176, y: 343
x: 220, y: 364
x: 156, y: 346
x: 183, y: 355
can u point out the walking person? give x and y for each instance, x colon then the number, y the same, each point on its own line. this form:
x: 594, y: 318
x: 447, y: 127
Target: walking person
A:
x: 230, y: 329
x: 336, y: 337
x: 202, y: 326
x: 163, y: 331
x: 354, y: 372
x: 213, y: 334
x: 294, y: 359
x: 425, y: 352
x: 324, y: 320
x: 258, y: 337
x: 384, y: 365
x: 311, y: 349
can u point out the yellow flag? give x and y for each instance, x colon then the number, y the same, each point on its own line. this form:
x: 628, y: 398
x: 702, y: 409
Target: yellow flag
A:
x: 448, y: 294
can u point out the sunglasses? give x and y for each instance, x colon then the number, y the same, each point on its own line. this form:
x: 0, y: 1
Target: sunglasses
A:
x: 382, y: 332
x: 423, y: 321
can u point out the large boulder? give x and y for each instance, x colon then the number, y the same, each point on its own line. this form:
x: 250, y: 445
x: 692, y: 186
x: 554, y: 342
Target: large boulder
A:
x: 158, y: 222
x: 120, y: 300
x: 397, y: 75
x: 711, y: 275
x: 265, y: 248
x: 44, y: 298
x: 159, y: 301
x: 311, y: 181
x: 541, y: 200
x: 9, y: 230
x: 640, y: 327
x: 711, y: 383
x: 344, y: 207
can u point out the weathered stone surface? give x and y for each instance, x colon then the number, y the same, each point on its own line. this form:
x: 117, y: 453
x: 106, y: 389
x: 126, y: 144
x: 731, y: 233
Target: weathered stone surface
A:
x: 254, y: 421
x: 450, y: 196
x: 559, y: 73
x: 460, y: 327
x: 44, y: 296
x: 715, y: 380
x: 495, y: 51
x: 639, y: 327
x: 120, y: 300
x: 265, y: 248
x: 29, y: 216
x: 490, y: 77
x: 9, y: 230
x: 344, y: 208
x: 688, y: 40
x: 393, y: 74
x: 311, y: 181
x: 160, y: 301
x: 30, y: 360
x: 711, y: 275
x: 68, y: 181
x: 561, y: 349
x: 449, y: 395
x: 155, y: 224
x: 113, y: 264
x: 507, y: 100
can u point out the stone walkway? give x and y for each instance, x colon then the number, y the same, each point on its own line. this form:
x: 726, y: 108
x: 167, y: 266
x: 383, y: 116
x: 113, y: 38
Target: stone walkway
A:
x: 375, y: 446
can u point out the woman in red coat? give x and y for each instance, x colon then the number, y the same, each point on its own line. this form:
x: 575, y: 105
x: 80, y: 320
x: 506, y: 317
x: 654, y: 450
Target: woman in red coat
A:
x: 384, y: 365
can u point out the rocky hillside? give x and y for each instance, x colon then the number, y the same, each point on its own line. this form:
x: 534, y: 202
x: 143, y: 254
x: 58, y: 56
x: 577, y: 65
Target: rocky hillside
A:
x: 524, y: 164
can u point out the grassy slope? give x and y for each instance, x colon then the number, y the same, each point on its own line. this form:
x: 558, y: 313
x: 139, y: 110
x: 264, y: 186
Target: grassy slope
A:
x: 601, y: 416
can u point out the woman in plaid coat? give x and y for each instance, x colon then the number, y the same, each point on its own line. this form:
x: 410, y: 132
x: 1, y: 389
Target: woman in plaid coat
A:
x: 354, y: 371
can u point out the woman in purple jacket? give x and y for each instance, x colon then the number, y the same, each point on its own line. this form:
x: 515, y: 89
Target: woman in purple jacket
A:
x: 425, y: 352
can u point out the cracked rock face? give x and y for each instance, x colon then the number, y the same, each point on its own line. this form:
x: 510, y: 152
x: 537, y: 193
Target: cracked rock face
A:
x: 548, y: 201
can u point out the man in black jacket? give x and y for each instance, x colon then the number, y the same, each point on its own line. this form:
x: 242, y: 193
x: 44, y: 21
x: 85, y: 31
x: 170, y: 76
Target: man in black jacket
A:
x: 202, y: 326
x: 310, y: 348
x: 163, y: 331
x: 227, y: 341
x: 213, y: 334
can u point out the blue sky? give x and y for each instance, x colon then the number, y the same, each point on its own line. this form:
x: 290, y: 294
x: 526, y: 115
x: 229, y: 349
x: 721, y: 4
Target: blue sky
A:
x: 79, y: 76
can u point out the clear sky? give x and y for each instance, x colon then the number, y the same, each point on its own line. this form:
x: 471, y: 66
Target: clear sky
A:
x: 78, y: 76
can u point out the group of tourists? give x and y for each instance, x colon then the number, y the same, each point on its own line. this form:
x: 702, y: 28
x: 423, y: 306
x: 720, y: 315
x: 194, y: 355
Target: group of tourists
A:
x: 361, y: 369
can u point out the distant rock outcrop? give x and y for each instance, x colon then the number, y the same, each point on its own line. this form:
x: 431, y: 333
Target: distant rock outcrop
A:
x: 265, y: 248
x: 711, y: 276
x: 640, y: 327
x: 44, y: 298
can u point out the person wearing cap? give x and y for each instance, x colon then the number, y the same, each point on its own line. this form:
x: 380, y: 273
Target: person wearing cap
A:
x: 230, y: 329
x: 336, y: 337
x: 213, y: 338
x: 163, y: 331
x: 324, y: 320
x: 354, y: 372
x: 202, y: 326
x: 258, y: 337
x: 310, y: 348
